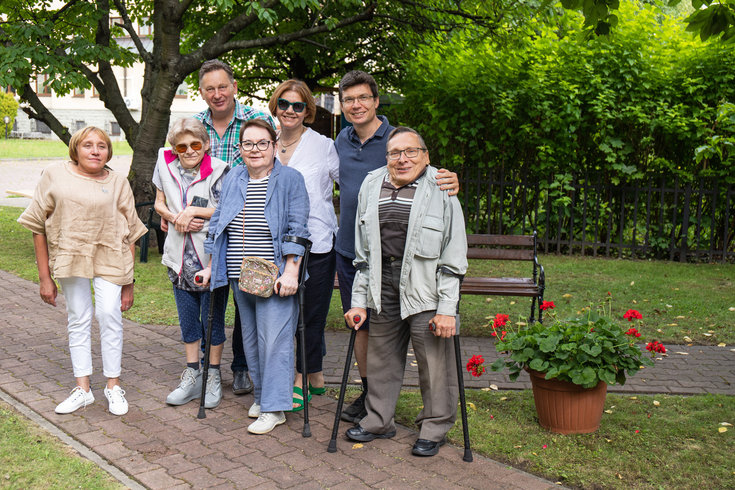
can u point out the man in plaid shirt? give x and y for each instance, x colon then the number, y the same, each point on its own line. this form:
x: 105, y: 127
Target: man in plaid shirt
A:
x: 223, y: 120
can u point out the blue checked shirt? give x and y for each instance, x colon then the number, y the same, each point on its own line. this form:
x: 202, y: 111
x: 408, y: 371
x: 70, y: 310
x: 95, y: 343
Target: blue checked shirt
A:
x: 226, y: 148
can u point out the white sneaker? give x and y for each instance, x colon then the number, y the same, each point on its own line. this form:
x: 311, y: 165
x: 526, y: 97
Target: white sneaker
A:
x: 266, y: 422
x: 116, y: 399
x: 76, y: 400
x: 189, y: 388
x: 254, y: 411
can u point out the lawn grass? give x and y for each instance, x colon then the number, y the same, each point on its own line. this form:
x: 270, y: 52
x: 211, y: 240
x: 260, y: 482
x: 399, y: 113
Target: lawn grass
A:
x: 30, y: 458
x: 676, y: 444
x: 23, y: 149
x: 677, y: 300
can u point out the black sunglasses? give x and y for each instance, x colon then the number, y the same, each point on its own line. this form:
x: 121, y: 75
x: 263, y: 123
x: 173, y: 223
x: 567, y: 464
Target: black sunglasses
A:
x: 284, y: 104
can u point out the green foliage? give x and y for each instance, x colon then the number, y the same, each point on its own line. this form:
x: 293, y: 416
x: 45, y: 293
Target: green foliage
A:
x: 583, y: 350
x: 8, y: 107
x: 634, y: 104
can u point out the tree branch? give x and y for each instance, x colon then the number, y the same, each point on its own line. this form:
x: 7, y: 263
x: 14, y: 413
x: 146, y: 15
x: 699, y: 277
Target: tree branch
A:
x: 39, y: 112
x: 128, y: 26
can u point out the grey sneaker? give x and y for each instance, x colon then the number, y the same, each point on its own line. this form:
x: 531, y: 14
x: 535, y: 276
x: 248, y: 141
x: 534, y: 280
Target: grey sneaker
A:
x: 189, y: 389
x: 213, y: 396
x: 241, y: 383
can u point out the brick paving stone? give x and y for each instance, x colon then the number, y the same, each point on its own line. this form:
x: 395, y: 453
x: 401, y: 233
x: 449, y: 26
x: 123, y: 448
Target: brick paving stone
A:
x: 113, y: 451
x: 216, y: 462
x: 257, y: 462
x: 158, y: 478
x: 176, y: 464
x: 243, y: 477
x: 201, y: 478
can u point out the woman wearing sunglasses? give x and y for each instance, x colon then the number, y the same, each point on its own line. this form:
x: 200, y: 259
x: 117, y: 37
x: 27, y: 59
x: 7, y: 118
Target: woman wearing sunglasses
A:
x: 315, y: 157
x: 262, y: 202
x: 188, y: 184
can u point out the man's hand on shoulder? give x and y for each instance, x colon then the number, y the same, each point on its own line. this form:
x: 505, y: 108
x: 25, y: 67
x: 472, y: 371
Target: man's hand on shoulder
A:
x: 447, y: 181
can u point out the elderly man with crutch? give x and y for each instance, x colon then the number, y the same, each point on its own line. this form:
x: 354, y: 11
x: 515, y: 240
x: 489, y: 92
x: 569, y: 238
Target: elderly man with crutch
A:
x: 411, y: 252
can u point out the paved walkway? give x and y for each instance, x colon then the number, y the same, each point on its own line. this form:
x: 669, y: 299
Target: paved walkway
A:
x: 168, y: 447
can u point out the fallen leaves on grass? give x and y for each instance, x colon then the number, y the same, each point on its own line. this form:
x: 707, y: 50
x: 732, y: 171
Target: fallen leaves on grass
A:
x: 722, y: 429
x: 656, y: 403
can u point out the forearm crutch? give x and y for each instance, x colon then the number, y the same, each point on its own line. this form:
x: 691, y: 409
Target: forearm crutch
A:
x: 332, y: 448
x: 301, y: 329
x: 207, y: 346
x: 462, y: 402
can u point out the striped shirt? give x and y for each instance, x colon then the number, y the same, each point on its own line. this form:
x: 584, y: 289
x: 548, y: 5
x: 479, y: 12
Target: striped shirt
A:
x: 248, y: 234
x: 226, y: 148
x: 394, y: 209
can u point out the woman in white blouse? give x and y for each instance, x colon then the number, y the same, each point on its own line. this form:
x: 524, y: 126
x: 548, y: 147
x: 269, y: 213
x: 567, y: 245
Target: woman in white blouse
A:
x: 315, y: 157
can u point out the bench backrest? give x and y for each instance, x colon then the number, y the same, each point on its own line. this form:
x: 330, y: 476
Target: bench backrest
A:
x: 501, y: 247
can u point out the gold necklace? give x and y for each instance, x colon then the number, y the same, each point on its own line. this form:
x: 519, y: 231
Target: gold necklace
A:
x: 284, y: 145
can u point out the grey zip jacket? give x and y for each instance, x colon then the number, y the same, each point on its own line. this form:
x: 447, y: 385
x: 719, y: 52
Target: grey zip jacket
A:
x: 435, y: 256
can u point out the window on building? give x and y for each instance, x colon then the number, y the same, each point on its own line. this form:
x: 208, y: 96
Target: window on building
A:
x: 146, y: 27
x: 94, y: 92
x: 9, y: 90
x: 79, y: 125
x: 42, y: 128
x: 182, y: 91
x: 114, y: 128
x: 42, y: 89
x: 78, y: 92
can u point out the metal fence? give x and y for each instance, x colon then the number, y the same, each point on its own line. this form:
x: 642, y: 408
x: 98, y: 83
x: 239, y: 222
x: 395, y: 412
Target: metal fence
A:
x: 664, y: 218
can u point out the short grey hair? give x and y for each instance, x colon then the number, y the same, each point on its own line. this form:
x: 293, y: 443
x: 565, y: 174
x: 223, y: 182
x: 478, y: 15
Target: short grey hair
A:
x: 214, y: 65
x: 188, y: 125
x: 406, y: 129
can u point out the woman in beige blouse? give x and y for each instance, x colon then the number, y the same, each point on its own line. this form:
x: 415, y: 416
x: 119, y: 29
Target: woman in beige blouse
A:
x: 84, y: 228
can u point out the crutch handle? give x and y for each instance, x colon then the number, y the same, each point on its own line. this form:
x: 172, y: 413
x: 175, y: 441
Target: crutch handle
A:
x: 356, y: 319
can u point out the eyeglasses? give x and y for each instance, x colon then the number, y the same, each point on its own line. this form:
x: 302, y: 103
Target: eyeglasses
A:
x: 284, y: 104
x: 361, y: 99
x: 194, y: 145
x: 409, y: 152
x: 261, y: 145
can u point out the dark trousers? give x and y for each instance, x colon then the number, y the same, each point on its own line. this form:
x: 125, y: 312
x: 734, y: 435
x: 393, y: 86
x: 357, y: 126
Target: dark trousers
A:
x: 318, y: 295
x: 239, y: 363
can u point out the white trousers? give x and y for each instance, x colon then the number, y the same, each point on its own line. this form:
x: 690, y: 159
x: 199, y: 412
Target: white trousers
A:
x: 78, y: 294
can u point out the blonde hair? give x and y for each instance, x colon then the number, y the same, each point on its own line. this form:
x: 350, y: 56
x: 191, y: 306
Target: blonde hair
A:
x: 187, y: 125
x: 303, y: 90
x: 79, y: 136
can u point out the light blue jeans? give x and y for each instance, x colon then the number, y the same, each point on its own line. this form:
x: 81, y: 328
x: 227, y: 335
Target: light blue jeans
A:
x: 268, y: 329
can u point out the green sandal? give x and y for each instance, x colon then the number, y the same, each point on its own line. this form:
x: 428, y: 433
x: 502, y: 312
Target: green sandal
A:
x: 313, y: 390
x: 299, y: 401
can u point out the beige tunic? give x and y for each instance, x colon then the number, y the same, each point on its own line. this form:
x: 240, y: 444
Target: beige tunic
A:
x: 89, y: 224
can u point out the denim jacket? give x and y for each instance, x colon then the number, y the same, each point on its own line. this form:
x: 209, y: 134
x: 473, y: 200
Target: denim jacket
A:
x: 435, y: 255
x: 286, y: 212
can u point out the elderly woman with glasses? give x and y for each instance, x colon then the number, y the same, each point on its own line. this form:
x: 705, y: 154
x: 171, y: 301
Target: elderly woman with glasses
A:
x: 262, y: 203
x: 188, y: 185
x: 315, y: 157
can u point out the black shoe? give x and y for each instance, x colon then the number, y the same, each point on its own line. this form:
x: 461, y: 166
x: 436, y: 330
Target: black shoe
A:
x: 424, y: 447
x: 356, y: 411
x: 241, y: 383
x: 357, y: 433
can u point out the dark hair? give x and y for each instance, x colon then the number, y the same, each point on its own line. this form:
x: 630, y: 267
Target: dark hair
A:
x: 357, y: 77
x: 214, y: 65
x: 302, y: 89
x: 261, y: 123
x: 405, y: 129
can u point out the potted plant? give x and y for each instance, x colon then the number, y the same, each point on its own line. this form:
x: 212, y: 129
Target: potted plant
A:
x: 571, y: 362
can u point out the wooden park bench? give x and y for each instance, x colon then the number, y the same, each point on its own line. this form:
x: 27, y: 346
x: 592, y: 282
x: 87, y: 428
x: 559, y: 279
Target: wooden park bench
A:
x: 505, y: 247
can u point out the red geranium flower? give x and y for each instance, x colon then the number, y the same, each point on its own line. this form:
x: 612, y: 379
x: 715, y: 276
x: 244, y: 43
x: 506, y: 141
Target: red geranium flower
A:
x: 500, y: 320
x: 476, y: 365
x: 656, y: 346
x: 632, y: 315
x: 547, y: 305
x: 633, y: 332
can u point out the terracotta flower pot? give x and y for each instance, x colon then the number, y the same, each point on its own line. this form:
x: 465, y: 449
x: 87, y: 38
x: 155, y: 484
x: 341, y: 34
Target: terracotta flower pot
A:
x: 566, y: 408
